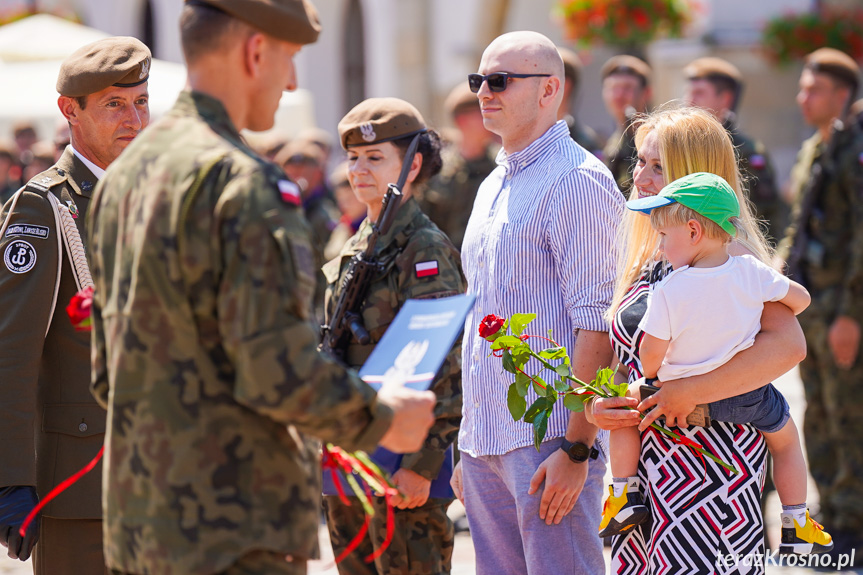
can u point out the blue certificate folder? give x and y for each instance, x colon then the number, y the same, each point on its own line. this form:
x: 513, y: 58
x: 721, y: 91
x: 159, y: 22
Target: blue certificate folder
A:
x: 413, y: 349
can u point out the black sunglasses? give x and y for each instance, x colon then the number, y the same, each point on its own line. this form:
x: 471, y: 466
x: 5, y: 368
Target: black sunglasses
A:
x: 498, y: 81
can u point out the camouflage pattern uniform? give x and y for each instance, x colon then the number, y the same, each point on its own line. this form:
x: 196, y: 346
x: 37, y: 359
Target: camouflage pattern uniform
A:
x: 832, y: 271
x: 760, y: 180
x: 584, y: 136
x: 50, y: 425
x: 448, y: 197
x: 205, y: 356
x: 323, y: 217
x: 620, y: 156
x: 423, y: 538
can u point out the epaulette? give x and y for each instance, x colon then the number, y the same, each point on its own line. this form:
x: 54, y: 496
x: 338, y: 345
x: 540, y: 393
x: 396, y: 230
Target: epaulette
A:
x: 48, y: 179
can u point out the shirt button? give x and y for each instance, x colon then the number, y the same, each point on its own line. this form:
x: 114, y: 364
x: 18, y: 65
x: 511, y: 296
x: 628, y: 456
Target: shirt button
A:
x: 60, y: 172
x: 82, y: 427
x: 476, y: 404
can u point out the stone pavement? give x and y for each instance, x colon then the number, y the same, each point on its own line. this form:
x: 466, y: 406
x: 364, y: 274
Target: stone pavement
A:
x: 463, y: 556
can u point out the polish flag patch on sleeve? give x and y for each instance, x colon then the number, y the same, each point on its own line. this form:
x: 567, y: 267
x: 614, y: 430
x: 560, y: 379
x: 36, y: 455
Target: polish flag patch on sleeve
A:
x: 290, y: 192
x: 427, y: 269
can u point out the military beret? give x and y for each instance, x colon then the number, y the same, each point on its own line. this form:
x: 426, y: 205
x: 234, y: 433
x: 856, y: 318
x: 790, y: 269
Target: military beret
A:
x: 300, y: 151
x: 461, y: 99
x: 713, y: 68
x: 379, y: 120
x: 119, y: 61
x: 624, y: 64
x: 836, y: 64
x: 294, y: 21
x: 571, y: 64
x: 318, y: 136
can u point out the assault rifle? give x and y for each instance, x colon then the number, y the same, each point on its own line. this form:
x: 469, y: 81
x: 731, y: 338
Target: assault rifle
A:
x: 807, y: 204
x: 346, y: 321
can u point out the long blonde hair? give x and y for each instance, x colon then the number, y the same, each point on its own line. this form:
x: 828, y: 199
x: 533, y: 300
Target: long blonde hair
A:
x: 690, y: 140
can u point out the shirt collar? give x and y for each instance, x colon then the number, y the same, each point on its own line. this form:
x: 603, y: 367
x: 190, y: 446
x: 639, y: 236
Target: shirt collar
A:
x: 97, y: 171
x: 518, y: 161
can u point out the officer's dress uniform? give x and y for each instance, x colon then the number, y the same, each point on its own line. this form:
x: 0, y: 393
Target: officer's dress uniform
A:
x: 418, y: 261
x: 50, y: 424
x: 832, y: 270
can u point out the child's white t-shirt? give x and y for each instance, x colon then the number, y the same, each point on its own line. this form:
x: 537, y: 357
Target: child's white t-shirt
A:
x: 710, y: 314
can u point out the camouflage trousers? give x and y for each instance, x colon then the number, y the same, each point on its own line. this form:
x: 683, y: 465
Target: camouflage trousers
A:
x: 833, y: 428
x: 422, y: 541
x: 260, y: 562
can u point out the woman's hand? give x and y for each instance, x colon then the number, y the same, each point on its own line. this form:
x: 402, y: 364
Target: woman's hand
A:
x: 607, y: 413
x: 673, y: 401
x: 413, y: 487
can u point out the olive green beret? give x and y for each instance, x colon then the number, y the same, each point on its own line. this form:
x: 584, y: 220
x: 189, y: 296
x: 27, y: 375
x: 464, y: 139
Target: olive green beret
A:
x: 461, y: 99
x: 379, y: 120
x: 707, y: 68
x: 627, y: 65
x: 298, y: 150
x: 571, y: 64
x: 119, y: 61
x: 294, y: 21
x: 834, y: 63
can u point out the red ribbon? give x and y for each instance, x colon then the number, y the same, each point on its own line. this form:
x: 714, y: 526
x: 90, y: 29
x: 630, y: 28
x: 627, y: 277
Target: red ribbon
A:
x: 686, y: 442
x: 66, y: 484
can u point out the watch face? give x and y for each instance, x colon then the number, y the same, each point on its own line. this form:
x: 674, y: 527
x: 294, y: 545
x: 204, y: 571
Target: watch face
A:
x: 579, y: 452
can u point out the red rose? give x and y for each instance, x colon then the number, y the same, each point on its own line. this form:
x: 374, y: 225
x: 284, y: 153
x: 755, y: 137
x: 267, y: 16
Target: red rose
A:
x: 79, y: 309
x: 490, y: 327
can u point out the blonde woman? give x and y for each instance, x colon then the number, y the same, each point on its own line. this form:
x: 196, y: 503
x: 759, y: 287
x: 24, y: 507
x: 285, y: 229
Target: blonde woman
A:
x: 721, y: 514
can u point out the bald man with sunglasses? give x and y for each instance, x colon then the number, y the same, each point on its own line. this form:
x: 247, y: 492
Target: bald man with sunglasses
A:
x: 541, y: 239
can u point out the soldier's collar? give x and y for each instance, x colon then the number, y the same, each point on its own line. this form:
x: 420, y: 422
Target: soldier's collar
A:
x: 210, y: 110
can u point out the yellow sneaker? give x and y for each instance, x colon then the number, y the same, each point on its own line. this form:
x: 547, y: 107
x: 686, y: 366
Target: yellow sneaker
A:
x: 621, y: 514
x: 804, y: 539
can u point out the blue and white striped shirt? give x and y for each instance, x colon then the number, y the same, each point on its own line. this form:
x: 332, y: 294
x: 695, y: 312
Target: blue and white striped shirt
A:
x: 541, y: 239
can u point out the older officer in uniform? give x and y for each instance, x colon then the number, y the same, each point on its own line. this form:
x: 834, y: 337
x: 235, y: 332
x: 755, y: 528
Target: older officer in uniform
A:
x: 626, y: 92
x: 50, y: 425
x: 418, y: 262
x: 716, y: 85
x: 204, y: 350
x: 448, y: 198
x: 583, y: 135
x: 824, y: 251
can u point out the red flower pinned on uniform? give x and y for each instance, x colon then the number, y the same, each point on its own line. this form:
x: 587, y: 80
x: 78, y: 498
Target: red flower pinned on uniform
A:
x: 491, y: 327
x: 79, y: 309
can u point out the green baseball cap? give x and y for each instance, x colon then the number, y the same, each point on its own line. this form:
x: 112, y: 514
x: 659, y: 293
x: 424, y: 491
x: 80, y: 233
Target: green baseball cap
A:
x: 703, y: 193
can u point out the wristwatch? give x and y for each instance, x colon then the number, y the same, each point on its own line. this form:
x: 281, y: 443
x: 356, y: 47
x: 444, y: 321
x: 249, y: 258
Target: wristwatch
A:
x: 579, y: 452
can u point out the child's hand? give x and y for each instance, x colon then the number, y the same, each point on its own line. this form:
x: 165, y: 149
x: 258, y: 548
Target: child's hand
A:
x: 672, y: 401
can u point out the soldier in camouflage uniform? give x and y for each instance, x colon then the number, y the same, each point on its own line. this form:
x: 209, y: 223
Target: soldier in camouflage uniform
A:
x: 584, y: 135
x: 716, y: 86
x: 50, y: 425
x: 448, y: 197
x: 626, y: 93
x: 204, y: 352
x: 418, y: 261
x: 824, y: 251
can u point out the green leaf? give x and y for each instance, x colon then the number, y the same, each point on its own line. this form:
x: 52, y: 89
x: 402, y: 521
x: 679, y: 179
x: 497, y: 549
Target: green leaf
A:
x: 521, y: 355
x: 540, y: 426
x: 551, y: 394
x: 520, y: 320
x: 515, y: 402
x: 522, y: 381
x: 604, y: 376
x: 561, y: 385
x: 505, y: 341
x: 575, y: 402
x: 508, y: 363
x: 553, y: 353
x: 562, y: 370
x: 537, y: 388
x: 537, y: 407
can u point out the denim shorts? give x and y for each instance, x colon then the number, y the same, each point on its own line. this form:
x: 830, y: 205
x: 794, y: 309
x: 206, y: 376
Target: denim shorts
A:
x: 765, y: 408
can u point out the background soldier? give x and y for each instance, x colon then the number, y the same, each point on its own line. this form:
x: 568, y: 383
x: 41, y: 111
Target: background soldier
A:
x: 626, y: 92
x: 417, y: 262
x: 204, y: 349
x: 824, y: 250
x: 448, y: 198
x: 582, y: 134
x: 50, y: 424
x: 716, y: 86
x: 353, y: 212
